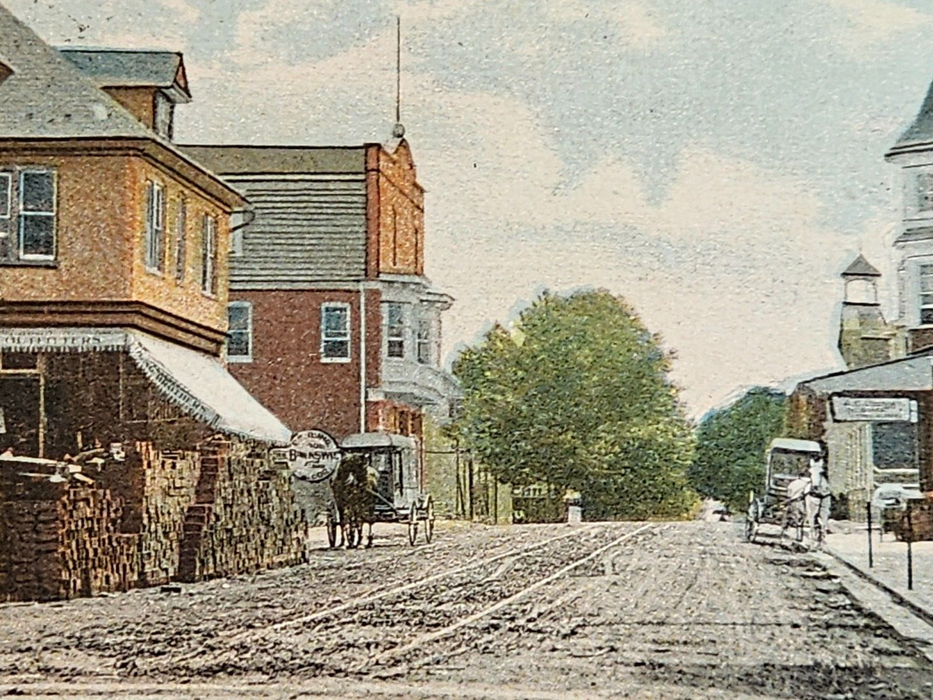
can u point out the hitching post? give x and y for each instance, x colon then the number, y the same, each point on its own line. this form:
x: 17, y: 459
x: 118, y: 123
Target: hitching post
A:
x: 868, y: 510
x: 910, y: 554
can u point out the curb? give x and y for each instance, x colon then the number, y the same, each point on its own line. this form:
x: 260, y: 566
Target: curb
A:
x: 916, y: 609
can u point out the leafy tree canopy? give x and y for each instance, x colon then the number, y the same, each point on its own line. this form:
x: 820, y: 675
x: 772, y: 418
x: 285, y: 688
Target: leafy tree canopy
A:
x: 578, y: 396
x: 731, y: 446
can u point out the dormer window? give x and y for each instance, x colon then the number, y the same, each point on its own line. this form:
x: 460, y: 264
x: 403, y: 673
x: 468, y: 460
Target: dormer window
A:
x: 164, y: 116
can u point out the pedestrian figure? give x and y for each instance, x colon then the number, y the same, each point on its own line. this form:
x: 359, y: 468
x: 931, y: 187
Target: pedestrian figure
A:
x: 795, y: 511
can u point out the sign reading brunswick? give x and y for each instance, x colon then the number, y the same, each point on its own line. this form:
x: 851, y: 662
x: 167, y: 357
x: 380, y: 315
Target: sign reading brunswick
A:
x: 874, y: 410
x: 313, y: 455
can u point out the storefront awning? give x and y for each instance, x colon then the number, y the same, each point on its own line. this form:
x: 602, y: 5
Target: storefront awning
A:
x: 197, y: 383
x: 907, y: 374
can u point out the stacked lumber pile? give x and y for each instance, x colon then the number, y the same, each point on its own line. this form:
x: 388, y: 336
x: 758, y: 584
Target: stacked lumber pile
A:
x: 169, y: 480
x: 61, y: 539
x: 245, y: 517
x: 920, y: 527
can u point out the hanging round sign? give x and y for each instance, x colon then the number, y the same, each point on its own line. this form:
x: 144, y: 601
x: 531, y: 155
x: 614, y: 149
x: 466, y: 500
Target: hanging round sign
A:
x: 313, y: 455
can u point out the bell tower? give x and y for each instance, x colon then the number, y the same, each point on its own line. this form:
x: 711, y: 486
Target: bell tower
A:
x: 865, y: 337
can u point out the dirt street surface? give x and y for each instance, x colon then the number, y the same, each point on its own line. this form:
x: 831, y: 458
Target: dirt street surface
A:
x: 632, y: 610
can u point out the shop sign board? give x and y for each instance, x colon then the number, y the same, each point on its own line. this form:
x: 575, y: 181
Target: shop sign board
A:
x: 871, y: 410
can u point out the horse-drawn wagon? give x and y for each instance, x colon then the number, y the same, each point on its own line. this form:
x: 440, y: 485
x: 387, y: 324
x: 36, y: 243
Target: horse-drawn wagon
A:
x: 796, y: 491
x: 396, y: 481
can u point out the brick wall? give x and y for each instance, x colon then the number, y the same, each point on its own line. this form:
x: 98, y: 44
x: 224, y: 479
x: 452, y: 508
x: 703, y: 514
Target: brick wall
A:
x: 286, y: 373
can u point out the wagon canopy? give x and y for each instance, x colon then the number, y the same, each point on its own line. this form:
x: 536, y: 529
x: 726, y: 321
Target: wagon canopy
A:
x: 793, y: 445
x: 359, y: 441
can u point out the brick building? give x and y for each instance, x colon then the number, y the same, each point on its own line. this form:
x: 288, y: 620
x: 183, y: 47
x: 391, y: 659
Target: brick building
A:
x: 113, y: 320
x: 333, y: 324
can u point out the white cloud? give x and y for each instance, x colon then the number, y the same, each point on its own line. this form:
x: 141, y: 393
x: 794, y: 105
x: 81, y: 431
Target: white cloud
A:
x: 635, y: 21
x: 185, y: 11
x: 867, y: 23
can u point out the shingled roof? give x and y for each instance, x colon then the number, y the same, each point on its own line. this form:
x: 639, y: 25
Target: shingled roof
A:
x: 921, y: 129
x: 132, y: 68
x: 45, y: 96
x: 860, y: 267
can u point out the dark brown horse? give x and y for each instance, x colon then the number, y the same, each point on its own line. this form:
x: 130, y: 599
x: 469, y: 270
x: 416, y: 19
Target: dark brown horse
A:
x: 354, y: 488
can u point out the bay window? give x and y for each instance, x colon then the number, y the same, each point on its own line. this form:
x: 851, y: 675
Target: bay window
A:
x: 395, y: 329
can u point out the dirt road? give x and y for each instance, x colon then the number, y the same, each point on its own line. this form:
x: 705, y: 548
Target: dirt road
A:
x: 616, y: 610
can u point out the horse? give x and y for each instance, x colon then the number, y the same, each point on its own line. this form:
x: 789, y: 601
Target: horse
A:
x: 354, y: 490
x: 818, y: 499
x: 795, y: 513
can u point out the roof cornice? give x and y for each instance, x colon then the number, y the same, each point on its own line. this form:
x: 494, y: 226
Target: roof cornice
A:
x: 152, y: 149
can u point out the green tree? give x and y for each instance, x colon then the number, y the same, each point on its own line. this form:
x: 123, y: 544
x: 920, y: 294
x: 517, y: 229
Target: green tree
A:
x: 731, y: 446
x: 578, y: 396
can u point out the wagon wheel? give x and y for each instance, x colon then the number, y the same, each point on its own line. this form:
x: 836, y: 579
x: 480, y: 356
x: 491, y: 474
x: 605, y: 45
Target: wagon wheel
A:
x: 429, y: 521
x: 413, y: 524
x: 332, y: 527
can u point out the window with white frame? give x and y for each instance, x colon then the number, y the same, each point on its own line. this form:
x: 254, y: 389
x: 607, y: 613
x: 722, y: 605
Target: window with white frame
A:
x: 924, y: 192
x: 36, y: 200
x: 208, y: 255
x: 335, y: 332
x: 155, y: 226
x: 6, y: 195
x: 181, y: 239
x: 424, y: 341
x: 28, y: 203
x: 395, y: 329
x: 925, y: 274
x: 164, y: 116
x: 240, y: 331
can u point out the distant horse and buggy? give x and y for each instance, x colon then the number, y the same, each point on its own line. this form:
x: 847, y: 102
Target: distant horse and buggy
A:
x: 797, y: 494
x: 367, y: 478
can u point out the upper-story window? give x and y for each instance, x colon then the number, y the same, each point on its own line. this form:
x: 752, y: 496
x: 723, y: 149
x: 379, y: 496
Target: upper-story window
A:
x: 240, y: 331
x: 27, y: 214
x: 925, y: 273
x: 395, y: 329
x: 209, y: 255
x: 164, y: 116
x: 424, y: 341
x: 155, y: 227
x: 181, y: 239
x: 924, y: 192
x: 335, y: 332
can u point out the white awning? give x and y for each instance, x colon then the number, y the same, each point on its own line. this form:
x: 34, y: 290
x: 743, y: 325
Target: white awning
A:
x: 908, y: 374
x: 198, y: 383
x: 365, y: 440
x: 794, y: 445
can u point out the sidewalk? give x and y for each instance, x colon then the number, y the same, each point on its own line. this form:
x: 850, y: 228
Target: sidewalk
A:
x: 890, y: 566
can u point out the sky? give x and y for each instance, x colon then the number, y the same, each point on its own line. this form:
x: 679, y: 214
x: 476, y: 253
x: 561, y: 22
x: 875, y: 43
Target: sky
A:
x: 716, y: 162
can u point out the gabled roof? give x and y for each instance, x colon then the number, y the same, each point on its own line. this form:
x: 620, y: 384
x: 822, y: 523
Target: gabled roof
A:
x: 132, y: 68
x: 860, y: 267
x: 45, y: 96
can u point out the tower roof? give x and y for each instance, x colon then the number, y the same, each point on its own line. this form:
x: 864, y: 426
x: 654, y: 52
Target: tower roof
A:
x: 860, y: 267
